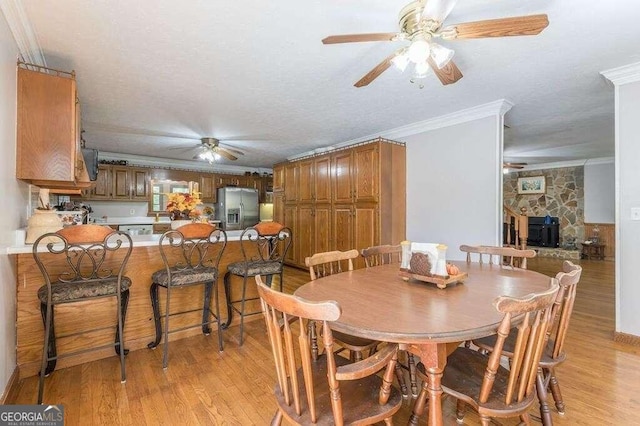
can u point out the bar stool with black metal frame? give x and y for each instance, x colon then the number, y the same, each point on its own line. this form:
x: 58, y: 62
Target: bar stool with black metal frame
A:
x: 264, y: 247
x: 191, y: 255
x: 80, y: 263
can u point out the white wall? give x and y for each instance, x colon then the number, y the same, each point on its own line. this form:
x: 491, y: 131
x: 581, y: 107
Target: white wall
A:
x: 14, y: 196
x: 628, y: 249
x: 454, y: 185
x: 118, y: 208
x: 599, y: 193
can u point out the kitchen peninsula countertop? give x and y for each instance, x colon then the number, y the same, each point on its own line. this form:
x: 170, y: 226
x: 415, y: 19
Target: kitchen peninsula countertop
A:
x: 144, y: 261
x: 133, y: 220
x: 138, y: 241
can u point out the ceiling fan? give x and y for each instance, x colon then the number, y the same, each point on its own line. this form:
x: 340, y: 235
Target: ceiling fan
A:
x: 420, y: 23
x: 210, y: 147
x: 210, y: 150
x: 514, y: 165
x: 506, y: 166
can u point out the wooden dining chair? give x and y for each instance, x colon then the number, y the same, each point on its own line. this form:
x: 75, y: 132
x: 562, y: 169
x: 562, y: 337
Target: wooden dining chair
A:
x: 381, y: 255
x: 329, y: 263
x: 554, y: 353
x: 480, y: 381
x: 505, y: 255
x: 388, y: 255
x: 328, y: 389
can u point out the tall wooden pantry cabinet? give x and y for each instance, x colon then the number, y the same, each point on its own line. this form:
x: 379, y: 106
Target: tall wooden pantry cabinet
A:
x: 354, y: 197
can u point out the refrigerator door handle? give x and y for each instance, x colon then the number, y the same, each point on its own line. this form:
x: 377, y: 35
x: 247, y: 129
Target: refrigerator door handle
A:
x: 241, y: 219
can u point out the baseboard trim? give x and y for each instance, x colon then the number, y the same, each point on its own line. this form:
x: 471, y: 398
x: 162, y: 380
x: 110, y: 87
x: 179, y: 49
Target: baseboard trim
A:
x: 626, y: 338
x: 12, y: 387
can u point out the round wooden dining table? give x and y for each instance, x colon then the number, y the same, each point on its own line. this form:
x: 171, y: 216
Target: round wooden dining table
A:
x: 378, y: 304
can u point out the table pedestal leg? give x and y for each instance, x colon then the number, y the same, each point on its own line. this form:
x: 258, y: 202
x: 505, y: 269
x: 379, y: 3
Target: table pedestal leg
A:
x: 434, y: 358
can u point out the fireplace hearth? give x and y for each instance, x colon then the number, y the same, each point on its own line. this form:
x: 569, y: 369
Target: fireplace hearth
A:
x: 543, y: 234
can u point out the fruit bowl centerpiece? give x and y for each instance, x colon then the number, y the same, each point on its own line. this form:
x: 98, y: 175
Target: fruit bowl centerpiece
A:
x: 430, y: 266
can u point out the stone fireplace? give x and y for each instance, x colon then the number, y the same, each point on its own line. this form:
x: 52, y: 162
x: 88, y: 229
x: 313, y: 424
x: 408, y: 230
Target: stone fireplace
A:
x: 563, y: 198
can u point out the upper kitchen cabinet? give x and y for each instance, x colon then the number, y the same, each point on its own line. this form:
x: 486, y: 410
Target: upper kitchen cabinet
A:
x: 120, y: 183
x: 342, y: 162
x: 278, y: 177
x: 356, y: 174
x: 208, y: 193
x: 48, y: 130
x: 322, y: 179
x: 306, y: 181
x: 366, y: 174
x: 314, y: 180
x: 291, y: 176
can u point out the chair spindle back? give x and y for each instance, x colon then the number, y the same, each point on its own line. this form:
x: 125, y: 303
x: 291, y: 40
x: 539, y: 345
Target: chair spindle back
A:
x: 382, y: 255
x: 281, y: 312
x: 505, y: 255
x: 563, y: 306
x: 330, y: 262
x: 531, y: 338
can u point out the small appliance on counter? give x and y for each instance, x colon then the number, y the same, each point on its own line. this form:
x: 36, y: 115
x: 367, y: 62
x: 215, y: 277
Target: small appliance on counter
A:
x: 73, y: 213
x: 72, y: 217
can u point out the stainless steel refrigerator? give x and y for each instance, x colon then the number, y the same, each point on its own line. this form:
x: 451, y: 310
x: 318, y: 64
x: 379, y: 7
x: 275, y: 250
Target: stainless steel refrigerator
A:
x: 237, y: 208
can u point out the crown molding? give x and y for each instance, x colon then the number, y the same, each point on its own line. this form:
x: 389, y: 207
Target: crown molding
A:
x: 25, y: 37
x: 141, y: 160
x: 623, y: 75
x: 603, y: 160
x: 569, y: 163
x: 499, y: 108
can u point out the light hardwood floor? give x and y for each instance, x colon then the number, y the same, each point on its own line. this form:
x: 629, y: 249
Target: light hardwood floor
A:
x: 600, y: 381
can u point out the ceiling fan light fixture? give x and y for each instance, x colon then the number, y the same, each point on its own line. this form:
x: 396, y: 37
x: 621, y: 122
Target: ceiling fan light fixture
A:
x: 209, y: 156
x: 418, y: 51
x: 441, y: 55
x: 401, y: 60
x: 421, y: 70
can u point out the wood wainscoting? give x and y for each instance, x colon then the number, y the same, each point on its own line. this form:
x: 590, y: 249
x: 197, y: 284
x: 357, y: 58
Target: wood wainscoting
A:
x: 607, y: 236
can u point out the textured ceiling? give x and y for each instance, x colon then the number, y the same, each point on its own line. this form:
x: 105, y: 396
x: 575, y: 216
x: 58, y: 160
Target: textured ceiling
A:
x: 255, y: 74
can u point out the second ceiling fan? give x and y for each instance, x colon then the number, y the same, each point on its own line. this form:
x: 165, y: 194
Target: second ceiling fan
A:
x: 421, y: 23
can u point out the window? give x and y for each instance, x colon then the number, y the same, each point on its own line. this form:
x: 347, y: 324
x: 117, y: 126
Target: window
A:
x: 160, y: 189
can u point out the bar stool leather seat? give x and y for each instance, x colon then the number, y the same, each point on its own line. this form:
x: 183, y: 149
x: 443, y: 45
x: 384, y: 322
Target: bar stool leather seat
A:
x: 63, y: 292
x: 253, y: 268
x: 183, y: 278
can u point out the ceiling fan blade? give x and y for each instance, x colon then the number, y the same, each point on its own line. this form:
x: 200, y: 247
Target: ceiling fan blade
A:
x: 224, y: 153
x: 504, y: 27
x: 184, y: 148
x: 376, y: 71
x: 357, y: 38
x: 438, y: 10
x: 448, y: 74
x: 232, y: 150
x: 514, y: 165
x: 109, y: 128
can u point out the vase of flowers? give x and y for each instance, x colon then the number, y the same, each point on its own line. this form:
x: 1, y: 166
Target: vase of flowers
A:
x: 181, y: 207
x: 207, y: 213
